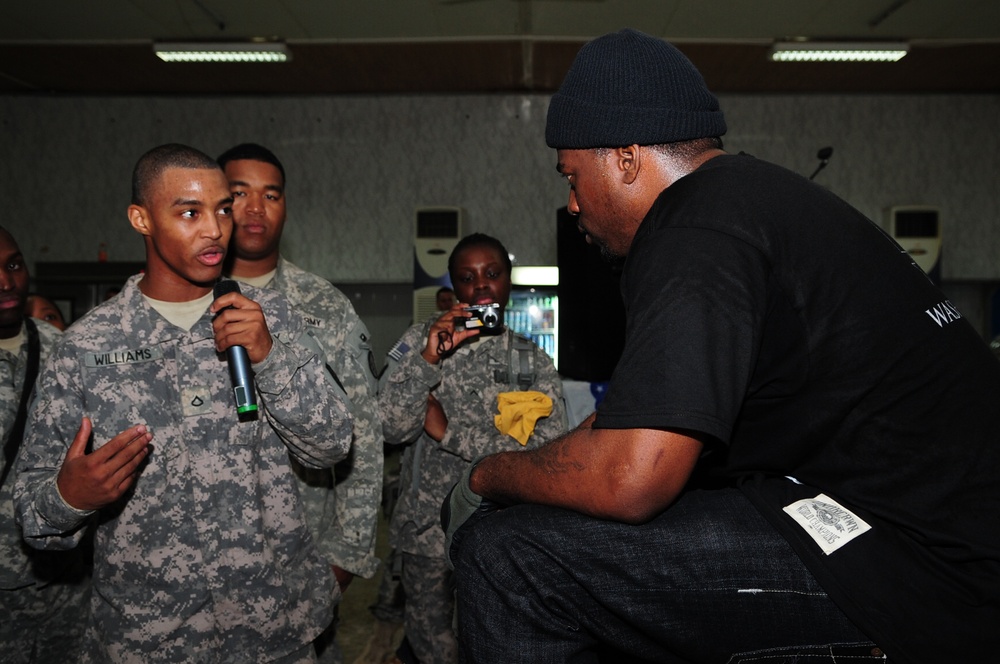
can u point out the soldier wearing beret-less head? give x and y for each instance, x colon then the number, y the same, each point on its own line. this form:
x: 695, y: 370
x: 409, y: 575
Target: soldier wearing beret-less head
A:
x: 341, y: 503
x: 202, y: 552
x: 797, y: 457
x: 452, y: 393
x: 42, y: 594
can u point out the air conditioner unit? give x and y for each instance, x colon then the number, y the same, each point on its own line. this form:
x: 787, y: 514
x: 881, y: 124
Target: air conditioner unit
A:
x: 436, y: 232
x: 917, y: 229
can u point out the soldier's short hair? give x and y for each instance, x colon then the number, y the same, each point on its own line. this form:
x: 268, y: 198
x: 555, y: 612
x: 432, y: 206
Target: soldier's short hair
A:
x: 152, y: 165
x: 478, y: 240
x: 253, y: 152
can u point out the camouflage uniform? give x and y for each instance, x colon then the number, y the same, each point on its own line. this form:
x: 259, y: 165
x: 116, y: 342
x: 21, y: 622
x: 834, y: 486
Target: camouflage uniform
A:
x: 42, y: 595
x: 466, y: 384
x: 344, y: 520
x: 208, y: 558
x: 342, y: 514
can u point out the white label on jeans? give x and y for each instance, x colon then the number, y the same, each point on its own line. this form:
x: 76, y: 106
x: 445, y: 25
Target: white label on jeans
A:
x: 829, y: 523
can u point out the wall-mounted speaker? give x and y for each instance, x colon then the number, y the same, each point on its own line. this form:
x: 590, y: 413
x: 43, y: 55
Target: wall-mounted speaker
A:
x: 917, y: 229
x: 436, y: 231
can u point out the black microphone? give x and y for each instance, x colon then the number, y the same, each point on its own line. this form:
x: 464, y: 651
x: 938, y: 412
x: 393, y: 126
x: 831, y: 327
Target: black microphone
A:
x: 823, y: 155
x: 239, y: 362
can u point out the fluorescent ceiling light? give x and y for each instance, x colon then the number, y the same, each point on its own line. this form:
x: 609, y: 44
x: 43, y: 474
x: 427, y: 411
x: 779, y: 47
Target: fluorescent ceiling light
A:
x: 223, y: 52
x: 838, y: 51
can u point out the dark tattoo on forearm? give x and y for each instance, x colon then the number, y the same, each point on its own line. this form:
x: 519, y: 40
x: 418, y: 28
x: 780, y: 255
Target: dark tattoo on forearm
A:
x: 554, y: 458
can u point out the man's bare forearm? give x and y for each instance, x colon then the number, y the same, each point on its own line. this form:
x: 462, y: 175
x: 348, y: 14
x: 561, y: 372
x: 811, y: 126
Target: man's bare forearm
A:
x: 531, y: 476
x: 626, y: 475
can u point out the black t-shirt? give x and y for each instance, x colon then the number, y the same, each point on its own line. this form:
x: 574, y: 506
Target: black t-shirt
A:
x: 785, y: 327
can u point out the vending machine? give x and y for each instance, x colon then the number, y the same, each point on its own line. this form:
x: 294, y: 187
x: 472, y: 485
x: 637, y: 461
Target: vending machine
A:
x: 533, y: 309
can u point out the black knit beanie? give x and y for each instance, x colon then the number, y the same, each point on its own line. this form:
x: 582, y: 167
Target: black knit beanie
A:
x: 630, y: 88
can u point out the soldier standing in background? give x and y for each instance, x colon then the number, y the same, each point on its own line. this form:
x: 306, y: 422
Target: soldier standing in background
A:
x: 440, y: 394
x: 341, y: 505
x: 43, y: 308
x: 444, y: 298
x: 43, y: 596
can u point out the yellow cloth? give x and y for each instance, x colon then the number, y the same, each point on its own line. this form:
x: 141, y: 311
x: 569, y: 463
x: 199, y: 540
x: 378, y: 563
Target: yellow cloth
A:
x: 519, y: 411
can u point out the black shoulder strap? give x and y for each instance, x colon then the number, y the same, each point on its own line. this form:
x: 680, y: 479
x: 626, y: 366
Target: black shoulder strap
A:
x: 526, y: 369
x: 30, y: 374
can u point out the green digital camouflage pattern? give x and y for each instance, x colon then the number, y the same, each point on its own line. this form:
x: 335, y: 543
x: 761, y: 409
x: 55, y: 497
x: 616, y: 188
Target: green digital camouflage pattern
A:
x: 15, y: 555
x: 343, y: 519
x: 466, y: 385
x: 208, y: 558
x: 429, y: 614
x: 43, y: 595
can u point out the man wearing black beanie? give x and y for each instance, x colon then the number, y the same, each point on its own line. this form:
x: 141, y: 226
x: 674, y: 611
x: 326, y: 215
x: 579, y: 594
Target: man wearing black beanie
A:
x: 797, y: 458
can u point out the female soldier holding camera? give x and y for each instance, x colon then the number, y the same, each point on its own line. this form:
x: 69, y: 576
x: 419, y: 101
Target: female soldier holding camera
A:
x: 455, y: 388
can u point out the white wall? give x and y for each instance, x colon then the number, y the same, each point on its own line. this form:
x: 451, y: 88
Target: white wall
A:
x: 358, y: 166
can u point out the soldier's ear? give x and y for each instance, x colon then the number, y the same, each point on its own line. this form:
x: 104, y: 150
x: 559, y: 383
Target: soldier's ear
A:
x: 139, y: 219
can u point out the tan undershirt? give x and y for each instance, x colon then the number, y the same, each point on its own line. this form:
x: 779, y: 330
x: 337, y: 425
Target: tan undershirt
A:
x: 182, y: 314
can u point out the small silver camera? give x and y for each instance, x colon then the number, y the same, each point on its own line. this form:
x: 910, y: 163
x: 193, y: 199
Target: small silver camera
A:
x: 486, y: 316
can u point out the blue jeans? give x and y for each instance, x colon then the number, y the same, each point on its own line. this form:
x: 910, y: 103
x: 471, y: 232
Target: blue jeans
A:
x: 707, y: 581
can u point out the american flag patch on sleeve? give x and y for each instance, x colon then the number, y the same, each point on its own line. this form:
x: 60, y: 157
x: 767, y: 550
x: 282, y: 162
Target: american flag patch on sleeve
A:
x: 399, y: 350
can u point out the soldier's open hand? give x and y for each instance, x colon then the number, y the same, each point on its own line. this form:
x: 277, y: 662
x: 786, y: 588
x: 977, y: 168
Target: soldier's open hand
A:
x: 92, y: 481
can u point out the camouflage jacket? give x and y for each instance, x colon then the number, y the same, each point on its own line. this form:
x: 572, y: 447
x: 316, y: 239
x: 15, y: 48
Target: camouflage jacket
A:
x: 466, y: 384
x: 19, y: 564
x: 208, y: 558
x: 343, y: 520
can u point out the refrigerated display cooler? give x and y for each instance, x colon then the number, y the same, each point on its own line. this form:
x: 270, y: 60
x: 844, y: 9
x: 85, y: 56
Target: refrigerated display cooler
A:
x: 534, y: 312
x: 533, y: 309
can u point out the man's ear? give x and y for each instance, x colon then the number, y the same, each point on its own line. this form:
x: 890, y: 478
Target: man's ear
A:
x: 139, y: 219
x: 629, y: 162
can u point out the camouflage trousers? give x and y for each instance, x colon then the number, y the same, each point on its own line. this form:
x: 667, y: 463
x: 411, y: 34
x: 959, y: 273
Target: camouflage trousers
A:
x: 430, y: 609
x: 44, y: 624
